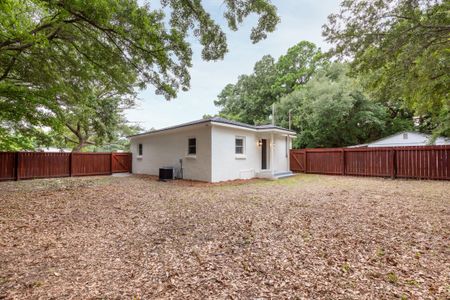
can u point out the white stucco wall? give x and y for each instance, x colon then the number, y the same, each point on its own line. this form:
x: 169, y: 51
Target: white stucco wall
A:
x: 166, y: 148
x: 225, y: 164
x: 215, y: 159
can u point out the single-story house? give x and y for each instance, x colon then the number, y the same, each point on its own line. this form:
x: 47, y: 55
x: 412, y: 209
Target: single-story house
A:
x: 213, y: 150
x: 405, y: 138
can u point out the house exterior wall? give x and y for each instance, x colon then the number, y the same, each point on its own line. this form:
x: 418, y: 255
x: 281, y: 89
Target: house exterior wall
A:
x: 216, y: 159
x: 281, y: 154
x: 166, y: 149
x: 226, y: 165
x: 412, y: 139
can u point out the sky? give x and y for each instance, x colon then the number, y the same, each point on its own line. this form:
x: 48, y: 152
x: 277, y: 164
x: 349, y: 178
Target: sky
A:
x: 300, y: 20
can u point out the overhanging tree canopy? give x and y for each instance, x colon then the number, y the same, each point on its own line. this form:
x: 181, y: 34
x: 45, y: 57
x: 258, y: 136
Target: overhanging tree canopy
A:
x: 402, y: 47
x: 52, y: 47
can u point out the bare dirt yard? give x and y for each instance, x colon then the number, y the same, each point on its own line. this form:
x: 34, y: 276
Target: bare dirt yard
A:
x: 307, y: 237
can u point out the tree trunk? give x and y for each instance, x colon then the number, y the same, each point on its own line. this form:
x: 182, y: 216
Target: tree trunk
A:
x: 78, y: 147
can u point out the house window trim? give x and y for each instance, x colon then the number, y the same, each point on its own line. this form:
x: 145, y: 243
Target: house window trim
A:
x: 242, y: 155
x: 191, y: 155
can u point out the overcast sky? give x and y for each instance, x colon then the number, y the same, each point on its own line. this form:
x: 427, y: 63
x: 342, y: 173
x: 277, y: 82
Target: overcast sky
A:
x: 300, y: 20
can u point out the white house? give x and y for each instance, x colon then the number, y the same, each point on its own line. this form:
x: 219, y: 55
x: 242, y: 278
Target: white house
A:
x: 214, y: 150
x: 405, y: 138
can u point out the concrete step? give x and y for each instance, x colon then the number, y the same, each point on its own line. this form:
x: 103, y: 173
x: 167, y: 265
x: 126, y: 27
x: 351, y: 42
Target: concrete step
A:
x: 280, y: 175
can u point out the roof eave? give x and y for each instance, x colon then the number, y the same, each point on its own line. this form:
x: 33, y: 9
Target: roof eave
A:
x: 218, y: 123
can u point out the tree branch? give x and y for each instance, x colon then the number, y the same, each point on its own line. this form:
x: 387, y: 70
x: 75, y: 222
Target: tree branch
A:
x: 52, y: 35
x: 9, y: 67
x: 75, y: 131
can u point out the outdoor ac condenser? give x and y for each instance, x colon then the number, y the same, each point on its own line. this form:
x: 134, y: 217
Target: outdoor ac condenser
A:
x: 166, y: 173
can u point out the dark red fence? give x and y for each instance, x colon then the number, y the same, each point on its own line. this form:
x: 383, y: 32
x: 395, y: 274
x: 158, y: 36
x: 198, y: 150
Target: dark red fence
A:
x: 27, y: 165
x: 424, y: 162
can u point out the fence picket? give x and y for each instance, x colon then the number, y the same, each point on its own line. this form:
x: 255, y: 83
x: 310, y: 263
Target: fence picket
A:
x: 421, y: 162
x: 28, y: 165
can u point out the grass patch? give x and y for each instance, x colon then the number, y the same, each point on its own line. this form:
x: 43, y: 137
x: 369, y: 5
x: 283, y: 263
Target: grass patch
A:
x: 391, y: 277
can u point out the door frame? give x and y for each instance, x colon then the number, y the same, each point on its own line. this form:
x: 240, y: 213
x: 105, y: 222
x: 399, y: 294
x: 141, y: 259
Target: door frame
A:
x: 264, y: 154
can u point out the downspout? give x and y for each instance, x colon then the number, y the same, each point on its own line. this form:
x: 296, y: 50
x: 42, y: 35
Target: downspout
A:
x: 272, y: 149
x: 288, y: 143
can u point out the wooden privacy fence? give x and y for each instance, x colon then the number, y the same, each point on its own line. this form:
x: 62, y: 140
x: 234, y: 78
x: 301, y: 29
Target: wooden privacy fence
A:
x: 28, y: 165
x: 422, y: 162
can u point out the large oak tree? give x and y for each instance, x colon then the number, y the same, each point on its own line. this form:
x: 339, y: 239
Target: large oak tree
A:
x: 52, y: 50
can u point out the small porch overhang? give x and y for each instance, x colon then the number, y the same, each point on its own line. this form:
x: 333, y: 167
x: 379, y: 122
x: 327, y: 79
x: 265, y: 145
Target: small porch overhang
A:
x: 271, y: 172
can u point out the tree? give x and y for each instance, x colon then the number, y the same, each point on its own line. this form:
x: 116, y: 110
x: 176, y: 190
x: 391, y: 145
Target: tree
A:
x: 50, y: 48
x: 119, y: 140
x: 402, y: 47
x: 332, y: 110
x: 296, y: 67
x: 91, y: 117
x: 251, y: 98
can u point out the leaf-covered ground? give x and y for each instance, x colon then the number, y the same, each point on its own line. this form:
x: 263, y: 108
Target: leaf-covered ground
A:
x: 307, y: 237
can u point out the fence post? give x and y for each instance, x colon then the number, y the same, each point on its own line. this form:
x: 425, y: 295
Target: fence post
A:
x: 16, y: 166
x: 393, y: 155
x: 110, y: 163
x: 70, y: 164
x: 306, y: 161
x: 130, y: 158
x: 343, y: 161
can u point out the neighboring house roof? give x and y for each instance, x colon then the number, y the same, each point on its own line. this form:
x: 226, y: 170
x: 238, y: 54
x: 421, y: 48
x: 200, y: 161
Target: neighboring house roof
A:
x: 53, y: 149
x: 398, y: 139
x: 218, y: 120
x: 358, y: 146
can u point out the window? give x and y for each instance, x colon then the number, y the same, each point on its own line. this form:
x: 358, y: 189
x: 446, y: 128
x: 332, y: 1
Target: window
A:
x: 192, y: 146
x: 239, y: 146
x: 140, y: 150
x: 405, y: 136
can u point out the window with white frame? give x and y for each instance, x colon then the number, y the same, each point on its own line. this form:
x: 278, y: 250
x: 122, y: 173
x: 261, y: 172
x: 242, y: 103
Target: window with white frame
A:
x: 239, y: 145
x: 192, y: 146
x: 140, y: 150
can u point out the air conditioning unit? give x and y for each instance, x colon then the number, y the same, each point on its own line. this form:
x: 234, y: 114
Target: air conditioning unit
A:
x: 166, y: 173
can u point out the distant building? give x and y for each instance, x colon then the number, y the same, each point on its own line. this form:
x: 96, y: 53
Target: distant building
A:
x: 53, y: 149
x: 405, y: 138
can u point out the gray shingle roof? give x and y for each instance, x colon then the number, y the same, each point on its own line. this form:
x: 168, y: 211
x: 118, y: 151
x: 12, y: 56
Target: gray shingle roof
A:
x: 217, y: 120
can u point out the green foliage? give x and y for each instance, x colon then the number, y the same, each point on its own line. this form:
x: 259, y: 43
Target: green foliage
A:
x: 15, y: 142
x: 250, y: 98
x: 333, y: 111
x: 52, y: 52
x: 296, y: 67
x: 119, y: 140
x: 93, y: 118
x: 403, y: 49
x: 328, y: 107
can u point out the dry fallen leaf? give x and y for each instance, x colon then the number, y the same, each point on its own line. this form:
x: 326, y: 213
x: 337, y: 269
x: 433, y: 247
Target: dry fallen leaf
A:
x: 307, y: 237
